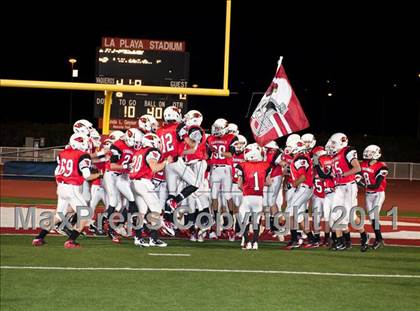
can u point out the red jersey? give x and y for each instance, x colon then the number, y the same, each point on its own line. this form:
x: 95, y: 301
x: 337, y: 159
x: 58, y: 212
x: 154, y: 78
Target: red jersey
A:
x: 325, y: 163
x: 253, y: 176
x: 70, y: 165
x: 171, y: 139
x: 372, y: 172
x: 341, y: 163
x: 219, y: 144
x: 121, y: 154
x: 302, y: 165
x: 198, y: 135
x: 101, y: 168
x: 141, y: 158
x: 237, y: 159
x: 272, y: 155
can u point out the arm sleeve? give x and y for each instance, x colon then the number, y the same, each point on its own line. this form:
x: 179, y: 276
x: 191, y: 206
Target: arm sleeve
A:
x: 115, y: 154
x: 321, y: 173
x: 232, y: 145
x: 376, y: 185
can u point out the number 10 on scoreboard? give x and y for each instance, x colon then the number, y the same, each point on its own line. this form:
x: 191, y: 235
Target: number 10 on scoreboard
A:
x: 129, y: 111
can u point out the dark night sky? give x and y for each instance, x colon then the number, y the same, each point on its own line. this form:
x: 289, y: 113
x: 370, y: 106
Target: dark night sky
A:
x: 362, y: 51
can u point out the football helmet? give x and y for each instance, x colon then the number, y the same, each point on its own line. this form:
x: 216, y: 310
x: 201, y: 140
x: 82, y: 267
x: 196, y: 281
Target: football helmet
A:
x: 219, y: 127
x: 272, y: 145
x: 95, y: 138
x: 240, y: 144
x: 82, y: 126
x: 338, y: 142
x: 172, y: 114
x: 133, y: 138
x: 116, y: 135
x: 147, y: 124
x: 319, y: 151
x: 193, y: 118
x: 372, y: 152
x: 79, y: 141
x: 253, y: 153
x: 309, y: 140
x: 292, y: 138
x: 232, y: 128
x: 151, y: 140
x: 107, y: 143
x: 328, y: 148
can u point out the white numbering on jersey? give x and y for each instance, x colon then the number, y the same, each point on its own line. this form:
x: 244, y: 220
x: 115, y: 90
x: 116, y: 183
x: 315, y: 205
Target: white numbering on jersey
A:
x: 366, y: 176
x: 127, y: 159
x: 337, y: 169
x: 318, y: 185
x: 219, y: 149
x: 257, y: 186
x: 167, y: 144
x: 66, y: 167
x: 137, y: 160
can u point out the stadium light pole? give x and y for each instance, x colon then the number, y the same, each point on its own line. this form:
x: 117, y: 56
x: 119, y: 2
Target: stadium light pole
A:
x: 74, y: 74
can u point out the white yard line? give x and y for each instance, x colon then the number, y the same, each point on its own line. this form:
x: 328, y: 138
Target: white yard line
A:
x: 169, y: 254
x: 215, y: 270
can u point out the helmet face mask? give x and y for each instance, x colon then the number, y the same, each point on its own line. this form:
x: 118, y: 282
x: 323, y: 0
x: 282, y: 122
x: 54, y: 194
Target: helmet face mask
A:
x: 148, y: 123
x: 79, y: 141
x: 219, y: 127
x: 240, y: 144
x: 338, y: 142
x: 309, y: 141
x: 232, y: 128
x: 372, y: 152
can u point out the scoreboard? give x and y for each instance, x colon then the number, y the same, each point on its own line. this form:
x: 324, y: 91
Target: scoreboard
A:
x: 140, y: 62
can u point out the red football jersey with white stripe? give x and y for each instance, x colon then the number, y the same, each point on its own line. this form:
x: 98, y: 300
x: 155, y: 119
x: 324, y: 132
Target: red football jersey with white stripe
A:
x: 171, y: 142
x: 302, y: 165
x: 219, y: 144
x: 372, y: 172
x: 121, y: 154
x: 253, y: 176
x: 341, y: 163
x: 70, y: 164
x: 140, y: 167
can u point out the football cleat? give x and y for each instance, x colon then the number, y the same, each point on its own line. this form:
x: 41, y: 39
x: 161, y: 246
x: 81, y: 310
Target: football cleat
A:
x: 365, y: 244
x: 213, y: 236
x: 71, y: 244
x: 168, y: 228
x: 38, y: 242
x: 193, y: 238
x: 200, y: 237
x: 378, y: 244
x: 248, y: 245
x: 243, y: 242
x: 157, y: 243
x: 140, y: 242
x: 339, y: 247
x: 292, y: 245
x: 255, y: 246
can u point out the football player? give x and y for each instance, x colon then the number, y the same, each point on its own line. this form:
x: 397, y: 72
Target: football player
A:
x: 253, y: 175
x: 146, y: 162
x: 74, y: 167
x: 374, y: 176
x: 345, y: 166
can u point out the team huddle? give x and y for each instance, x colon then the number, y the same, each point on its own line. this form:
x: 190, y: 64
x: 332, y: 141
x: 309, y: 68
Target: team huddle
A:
x: 161, y: 177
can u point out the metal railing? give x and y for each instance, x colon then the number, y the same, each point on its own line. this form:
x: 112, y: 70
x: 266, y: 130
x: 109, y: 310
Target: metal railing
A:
x: 403, y: 170
x: 28, y: 154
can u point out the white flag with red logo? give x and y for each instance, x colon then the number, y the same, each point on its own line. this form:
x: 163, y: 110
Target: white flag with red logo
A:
x: 279, y: 112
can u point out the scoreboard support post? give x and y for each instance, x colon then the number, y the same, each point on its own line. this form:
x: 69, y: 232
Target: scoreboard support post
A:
x: 107, y: 112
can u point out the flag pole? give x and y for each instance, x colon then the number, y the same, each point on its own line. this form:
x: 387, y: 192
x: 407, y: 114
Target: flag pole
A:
x: 279, y: 63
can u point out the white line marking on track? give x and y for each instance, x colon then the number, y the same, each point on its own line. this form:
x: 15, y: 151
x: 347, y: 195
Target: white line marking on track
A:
x: 214, y: 270
x: 169, y: 254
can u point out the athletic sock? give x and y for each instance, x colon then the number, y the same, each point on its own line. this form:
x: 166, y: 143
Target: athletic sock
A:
x: 42, y: 234
x: 74, y: 234
x: 256, y: 234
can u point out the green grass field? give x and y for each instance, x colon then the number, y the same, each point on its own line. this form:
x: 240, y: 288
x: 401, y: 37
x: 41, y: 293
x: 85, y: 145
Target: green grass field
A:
x: 204, y: 290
